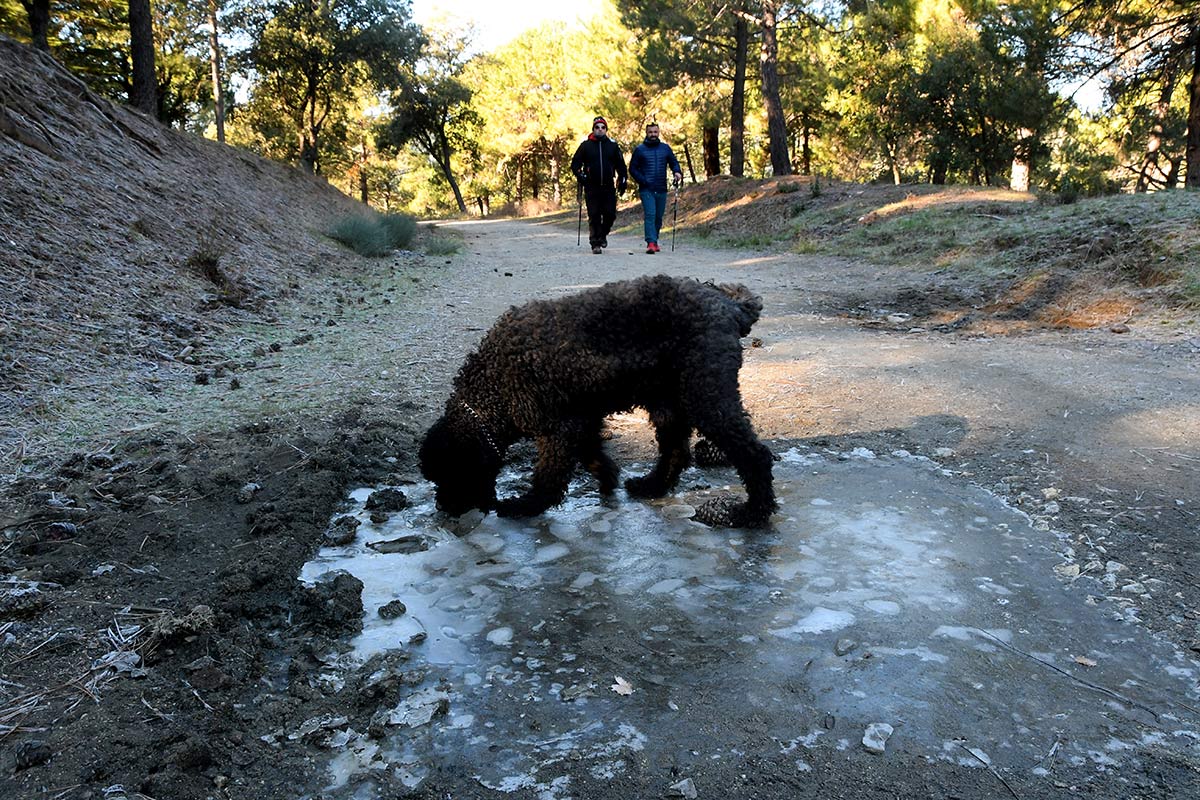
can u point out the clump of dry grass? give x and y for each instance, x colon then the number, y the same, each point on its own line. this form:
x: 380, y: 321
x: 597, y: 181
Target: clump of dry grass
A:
x: 374, y: 235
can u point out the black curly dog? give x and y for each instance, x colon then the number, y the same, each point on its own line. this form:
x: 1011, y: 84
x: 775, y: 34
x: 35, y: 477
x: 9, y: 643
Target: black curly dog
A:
x: 553, y: 370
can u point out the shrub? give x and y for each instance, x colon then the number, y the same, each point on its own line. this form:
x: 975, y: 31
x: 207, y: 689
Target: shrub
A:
x: 442, y: 245
x: 362, y: 235
x: 1191, y: 293
x: 400, y: 229
x: 375, y: 235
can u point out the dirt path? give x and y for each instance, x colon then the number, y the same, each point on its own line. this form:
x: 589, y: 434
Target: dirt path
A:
x: 1111, y: 421
x: 180, y: 539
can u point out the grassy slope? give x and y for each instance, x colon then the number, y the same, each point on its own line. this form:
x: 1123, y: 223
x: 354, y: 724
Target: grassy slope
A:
x: 1146, y: 245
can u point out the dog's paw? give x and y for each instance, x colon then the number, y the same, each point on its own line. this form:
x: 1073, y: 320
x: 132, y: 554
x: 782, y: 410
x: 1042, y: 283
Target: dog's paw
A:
x: 522, y: 506
x: 726, y: 512
x: 608, y: 475
x: 645, y: 486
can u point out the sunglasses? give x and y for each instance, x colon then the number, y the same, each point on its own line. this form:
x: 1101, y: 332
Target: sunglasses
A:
x: 599, y: 127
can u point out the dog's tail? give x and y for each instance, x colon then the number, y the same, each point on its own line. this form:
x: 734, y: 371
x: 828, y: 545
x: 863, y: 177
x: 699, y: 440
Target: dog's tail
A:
x: 748, y: 304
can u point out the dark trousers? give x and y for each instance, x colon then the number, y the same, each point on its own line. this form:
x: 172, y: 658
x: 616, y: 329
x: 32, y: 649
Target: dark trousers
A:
x: 602, y: 213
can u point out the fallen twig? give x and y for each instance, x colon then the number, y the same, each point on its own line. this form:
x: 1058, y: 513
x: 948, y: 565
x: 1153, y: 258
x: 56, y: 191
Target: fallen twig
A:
x: 1093, y: 686
x: 12, y: 716
x: 157, y: 713
x: 198, y: 697
x: 999, y: 777
x: 25, y: 657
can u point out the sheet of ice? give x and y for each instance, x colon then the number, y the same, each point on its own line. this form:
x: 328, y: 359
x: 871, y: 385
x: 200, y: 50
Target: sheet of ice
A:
x: 961, y: 628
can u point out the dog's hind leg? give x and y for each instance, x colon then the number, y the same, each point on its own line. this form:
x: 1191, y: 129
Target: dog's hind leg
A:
x: 598, y: 463
x: 557, y: 457
x: 672, y: 430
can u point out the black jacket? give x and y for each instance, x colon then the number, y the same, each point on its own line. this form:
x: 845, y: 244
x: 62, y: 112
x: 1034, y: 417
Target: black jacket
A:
x: 597, y: 161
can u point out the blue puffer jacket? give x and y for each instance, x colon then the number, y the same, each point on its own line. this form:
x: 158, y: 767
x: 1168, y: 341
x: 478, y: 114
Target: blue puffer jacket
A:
x: 649, y: 163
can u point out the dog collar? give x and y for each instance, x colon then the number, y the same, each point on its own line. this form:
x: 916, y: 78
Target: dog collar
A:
x: 483, y: 428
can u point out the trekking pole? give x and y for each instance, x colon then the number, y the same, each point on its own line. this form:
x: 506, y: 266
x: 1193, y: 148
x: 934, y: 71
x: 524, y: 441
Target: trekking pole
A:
x: 579, y: 227
x: 675, y: 215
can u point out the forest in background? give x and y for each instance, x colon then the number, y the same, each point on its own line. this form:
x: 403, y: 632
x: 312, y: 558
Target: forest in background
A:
x: 970, y: 92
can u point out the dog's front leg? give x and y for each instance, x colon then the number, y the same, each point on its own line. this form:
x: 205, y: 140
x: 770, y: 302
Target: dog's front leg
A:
x: 551, y: 475
x: 717, y: 412
x: 672, y: 430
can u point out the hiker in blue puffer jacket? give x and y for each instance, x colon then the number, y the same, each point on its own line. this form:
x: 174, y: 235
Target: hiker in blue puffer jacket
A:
x: 648, y: 166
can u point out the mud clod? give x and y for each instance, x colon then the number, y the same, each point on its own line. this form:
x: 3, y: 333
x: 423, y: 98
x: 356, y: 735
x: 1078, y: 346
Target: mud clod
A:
x: 392, y: 610
x: 333, y: 605
x: 387, y: 499
x: 342, y: 531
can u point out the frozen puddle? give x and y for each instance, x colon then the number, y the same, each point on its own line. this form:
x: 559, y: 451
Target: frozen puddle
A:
x: 605, y: 632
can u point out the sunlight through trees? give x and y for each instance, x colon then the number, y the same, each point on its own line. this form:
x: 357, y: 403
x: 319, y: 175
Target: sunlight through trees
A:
x: 901, y: 91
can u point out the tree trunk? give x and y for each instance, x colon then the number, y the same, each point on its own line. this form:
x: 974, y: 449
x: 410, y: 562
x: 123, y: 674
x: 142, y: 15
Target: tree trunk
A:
x: 458, y: 196
x: 737, y: 114
x: 362, y: 175
x: 1171, y: 178
x: 308, y: 152
x: 806, y: 143
x: 39, y: 23
x: 712, y: 155
x: 214, y: 48
x: 311, y: 120
x: 781, y: 164
x: 985, y: 138
x: 1192, y: 152
x: 1151, y: 173
x: 939, y: 170
x: 144, y: 93
x: 555, y: 181
x: 687, y: 158
x: 1018, y: 179
x: 444, y: 163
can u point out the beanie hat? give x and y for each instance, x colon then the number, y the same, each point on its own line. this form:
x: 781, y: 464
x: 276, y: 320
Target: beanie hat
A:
x: 600, y: 119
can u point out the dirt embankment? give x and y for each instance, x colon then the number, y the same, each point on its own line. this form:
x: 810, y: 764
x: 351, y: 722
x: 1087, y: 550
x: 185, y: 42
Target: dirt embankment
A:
x: 143, y: 576
x: 125, y: 247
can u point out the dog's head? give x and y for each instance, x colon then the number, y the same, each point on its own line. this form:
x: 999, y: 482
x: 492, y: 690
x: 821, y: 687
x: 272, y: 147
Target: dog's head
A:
x: 460, y: 461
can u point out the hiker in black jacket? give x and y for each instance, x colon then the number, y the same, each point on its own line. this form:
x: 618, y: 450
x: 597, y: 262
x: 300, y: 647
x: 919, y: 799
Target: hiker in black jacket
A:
x: 596, y: 163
